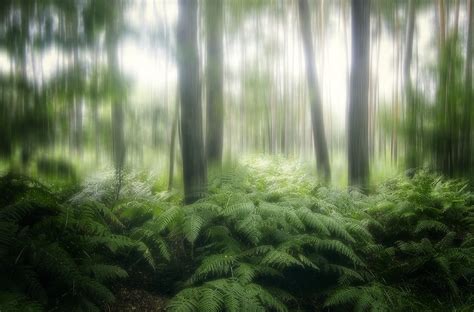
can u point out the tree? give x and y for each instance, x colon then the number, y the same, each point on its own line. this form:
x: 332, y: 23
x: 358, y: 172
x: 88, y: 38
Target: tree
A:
x: 214, y: 75
x: 358, y: 101
x: 467, y: 112
x: 319, y: 137
x: 118, y: 137
x: 409, y: 92
x: 174, y: 127
x: 194, y: 163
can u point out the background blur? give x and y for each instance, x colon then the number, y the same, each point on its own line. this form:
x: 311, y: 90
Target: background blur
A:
x: 91, y: 85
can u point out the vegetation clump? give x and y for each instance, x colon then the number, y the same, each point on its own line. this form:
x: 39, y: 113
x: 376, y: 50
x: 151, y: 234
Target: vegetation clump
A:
x: 265, y: 238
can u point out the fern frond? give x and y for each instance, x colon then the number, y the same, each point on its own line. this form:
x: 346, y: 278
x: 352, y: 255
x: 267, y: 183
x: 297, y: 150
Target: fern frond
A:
x: 245, y: 273
x: 339, y: 248
x: 431, y: 225
x: 343, y: 296
x: 238, y: 210
x: 267, y: 299
x: 192, y: 227
x: 185, y: 301
x: 210, y: 300
x: 215, y: 265
x: 105, y: 272
x: 249, y: 227
x: 15, y: 302
x: 312, y: 220
x: 168, y: 217
x: 335, y: 227
x: 446, y: 241
x: 280, y: 259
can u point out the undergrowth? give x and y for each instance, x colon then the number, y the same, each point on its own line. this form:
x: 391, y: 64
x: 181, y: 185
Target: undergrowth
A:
x: 266, y: 238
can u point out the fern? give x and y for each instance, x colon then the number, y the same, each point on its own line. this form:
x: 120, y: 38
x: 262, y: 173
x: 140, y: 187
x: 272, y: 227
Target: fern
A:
x: 104, y: 272
x: 168, y: 217
x: 14, y: 302
x: 339, y: 248
x: 280, y: 259
x: 50, y: 254
x: 215, y: 265
x: 192, y: 227
x: 431, y: 225
x: 374, y: 297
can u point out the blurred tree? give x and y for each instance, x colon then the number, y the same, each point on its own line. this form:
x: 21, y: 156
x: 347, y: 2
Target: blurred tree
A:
x: 466, y: 160
x: 214, y: 87
x: 192, y: 147
x: 412, y: 137
x: 174, y: 128
x: 117, y: 95
x: 319, y: 137
x: 358, y: 101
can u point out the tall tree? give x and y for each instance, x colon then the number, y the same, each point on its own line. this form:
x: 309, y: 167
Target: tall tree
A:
x: 442, y: 22
x: 214, y: 75
x: 174, y: 127
x: 358, y: 101
x: 118, y: 135
x: 192, y: 148
x: 319, y: 137
x: 408, y: 86
x: 467, y: 112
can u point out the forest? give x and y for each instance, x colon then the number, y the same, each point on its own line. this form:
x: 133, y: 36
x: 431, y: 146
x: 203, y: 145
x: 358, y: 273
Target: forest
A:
x: 236, y: 155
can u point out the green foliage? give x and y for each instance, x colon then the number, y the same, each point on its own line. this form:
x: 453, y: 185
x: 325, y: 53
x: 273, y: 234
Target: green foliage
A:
x: 55, y: 253
x: 378, y: 253
x: 265, y: 239
x: 422, y: 251
x: 374, y: 297
x: 252, y: 234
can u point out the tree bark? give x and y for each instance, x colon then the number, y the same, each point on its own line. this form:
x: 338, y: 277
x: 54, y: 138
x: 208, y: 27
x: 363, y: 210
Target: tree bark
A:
x: 194, y: 163
x: 214, y: 73
x: 319, y: 137
x: 174, y: 127
x: 409, y: 92
x: 442, y: 22
x: 118, y: 137
x: 467, y: 113
x: 358, y: 102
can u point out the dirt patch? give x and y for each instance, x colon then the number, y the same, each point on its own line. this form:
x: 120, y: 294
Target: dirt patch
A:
x: 137, y: 300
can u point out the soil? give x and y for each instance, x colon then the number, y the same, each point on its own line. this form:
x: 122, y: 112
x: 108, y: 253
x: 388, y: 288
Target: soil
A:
x: 137, y: 300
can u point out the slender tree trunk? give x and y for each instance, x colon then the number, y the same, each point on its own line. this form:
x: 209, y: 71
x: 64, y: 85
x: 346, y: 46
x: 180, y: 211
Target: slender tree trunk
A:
x: 456, y: 18
x: 466, y: 123
x: 174, y: 127
x: 443, y: 139
x: 442, y: 22
x: 214, y: 73
x: 319, y: 137
x: 358, y: 102
x: 194, y: 162
x: 118, y: 137
x: 409, y: 92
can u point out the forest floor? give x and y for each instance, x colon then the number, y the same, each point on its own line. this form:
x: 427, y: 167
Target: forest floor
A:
x: 138, y: 300
x: 267, y: 237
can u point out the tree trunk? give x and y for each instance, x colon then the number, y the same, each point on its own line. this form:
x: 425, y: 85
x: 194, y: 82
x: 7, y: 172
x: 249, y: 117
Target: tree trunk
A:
x: 118, y: 137
x: 358, y: 102
x: 456, y: 18
x: 466, y: 123
x: 411, y: 161
x: 174, y: 127
x: 319, y: 137
x: 442, y: 22
x: 214, y: 73
x: 194, y: 163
